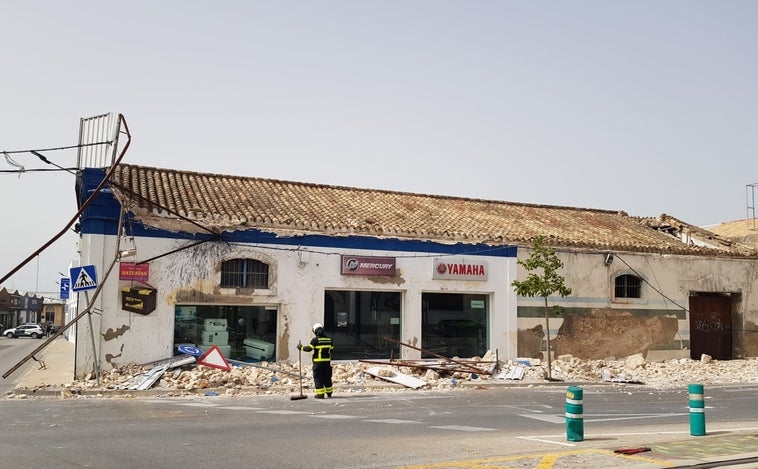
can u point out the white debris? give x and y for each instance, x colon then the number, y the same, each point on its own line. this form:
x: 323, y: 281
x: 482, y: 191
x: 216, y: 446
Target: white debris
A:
x: 282, y: 377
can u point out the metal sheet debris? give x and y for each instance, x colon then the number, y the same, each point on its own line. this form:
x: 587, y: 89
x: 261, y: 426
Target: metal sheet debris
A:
x: 515, y: 373
x: 395, y: 377
x: 147, y: 380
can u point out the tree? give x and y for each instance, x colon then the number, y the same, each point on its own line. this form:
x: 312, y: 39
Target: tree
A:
x: 542, y: 280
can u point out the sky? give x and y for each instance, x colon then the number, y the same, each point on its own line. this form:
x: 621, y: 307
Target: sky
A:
x: 647, y: 107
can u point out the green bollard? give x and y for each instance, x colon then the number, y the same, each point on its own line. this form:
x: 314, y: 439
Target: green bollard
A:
x: 697, y: 410
x: 574, y: 414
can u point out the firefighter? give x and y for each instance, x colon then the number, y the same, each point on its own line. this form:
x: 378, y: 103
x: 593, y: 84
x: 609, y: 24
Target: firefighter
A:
x: 321, y: 346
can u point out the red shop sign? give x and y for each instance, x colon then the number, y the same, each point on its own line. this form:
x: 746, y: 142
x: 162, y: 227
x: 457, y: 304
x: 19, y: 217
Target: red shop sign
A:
x: 134, y: 271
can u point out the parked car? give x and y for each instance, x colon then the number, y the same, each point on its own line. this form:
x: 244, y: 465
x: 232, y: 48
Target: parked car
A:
x: 35, y: 331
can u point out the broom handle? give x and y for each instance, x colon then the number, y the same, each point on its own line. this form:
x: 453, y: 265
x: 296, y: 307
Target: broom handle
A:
x: 300, y: 364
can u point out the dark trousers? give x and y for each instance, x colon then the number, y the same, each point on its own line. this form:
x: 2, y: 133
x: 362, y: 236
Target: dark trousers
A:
x: 322, y: 378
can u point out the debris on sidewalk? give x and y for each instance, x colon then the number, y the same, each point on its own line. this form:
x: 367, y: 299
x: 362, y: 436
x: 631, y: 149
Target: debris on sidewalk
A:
x: 281, y: 377
x: 144, y: 381
x: 396, y: 377
x: 515, y: 373
x: 607, y: 377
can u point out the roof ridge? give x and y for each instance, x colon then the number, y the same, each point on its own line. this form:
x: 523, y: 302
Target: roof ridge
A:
x: 383, y: 191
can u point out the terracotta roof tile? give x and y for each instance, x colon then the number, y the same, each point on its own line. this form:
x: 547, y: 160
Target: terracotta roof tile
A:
x: 169, y: 199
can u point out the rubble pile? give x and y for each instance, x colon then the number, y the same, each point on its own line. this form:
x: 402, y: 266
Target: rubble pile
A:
x: 664, y: 374
x: 282, y: 377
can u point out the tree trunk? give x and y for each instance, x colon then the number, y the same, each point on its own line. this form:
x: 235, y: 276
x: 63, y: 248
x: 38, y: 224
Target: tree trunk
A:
x: 547, y: 336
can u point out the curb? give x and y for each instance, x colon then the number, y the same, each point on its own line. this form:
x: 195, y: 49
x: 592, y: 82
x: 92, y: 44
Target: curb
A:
x: 64, y: 392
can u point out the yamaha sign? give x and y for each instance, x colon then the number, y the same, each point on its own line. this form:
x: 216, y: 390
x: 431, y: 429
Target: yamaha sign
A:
x: 459, y: 268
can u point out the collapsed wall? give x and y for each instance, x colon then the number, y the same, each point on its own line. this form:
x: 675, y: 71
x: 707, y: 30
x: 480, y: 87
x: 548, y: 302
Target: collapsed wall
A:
x: 605, y: 333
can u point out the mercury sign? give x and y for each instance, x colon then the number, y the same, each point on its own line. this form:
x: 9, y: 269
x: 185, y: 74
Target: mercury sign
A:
x: 459, y: 268
x: 363, y: 265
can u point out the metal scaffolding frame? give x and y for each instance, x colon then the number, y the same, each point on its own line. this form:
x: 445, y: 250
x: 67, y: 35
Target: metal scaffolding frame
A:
x: 750, y: 201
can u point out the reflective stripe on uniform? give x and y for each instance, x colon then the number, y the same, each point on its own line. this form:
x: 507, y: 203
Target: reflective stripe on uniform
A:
x: 322, y: 349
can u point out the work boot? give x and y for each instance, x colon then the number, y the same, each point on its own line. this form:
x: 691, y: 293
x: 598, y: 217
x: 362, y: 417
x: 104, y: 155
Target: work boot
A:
x: 319, y: 396
x: 328, y: 394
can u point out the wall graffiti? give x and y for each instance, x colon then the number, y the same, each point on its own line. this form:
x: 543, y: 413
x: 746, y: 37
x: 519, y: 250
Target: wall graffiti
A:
x: 709, y: 323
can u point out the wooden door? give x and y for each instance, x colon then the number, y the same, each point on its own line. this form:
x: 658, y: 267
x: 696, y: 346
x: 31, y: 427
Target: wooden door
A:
x: 711, y: 327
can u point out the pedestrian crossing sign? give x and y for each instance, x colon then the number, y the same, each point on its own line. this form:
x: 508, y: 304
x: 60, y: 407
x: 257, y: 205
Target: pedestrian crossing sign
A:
x: 84, y: 278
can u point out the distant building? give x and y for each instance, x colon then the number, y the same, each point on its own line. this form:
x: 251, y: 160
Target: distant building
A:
x: 17, y: 308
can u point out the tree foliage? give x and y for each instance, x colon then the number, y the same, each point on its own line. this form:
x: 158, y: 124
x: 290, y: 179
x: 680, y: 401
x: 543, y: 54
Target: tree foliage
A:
x: 543, y: 280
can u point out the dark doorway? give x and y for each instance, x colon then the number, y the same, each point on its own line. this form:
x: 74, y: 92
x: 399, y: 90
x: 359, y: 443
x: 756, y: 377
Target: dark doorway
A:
x: 711, y: 326
x: 454, y: 324
x: 358, y: 322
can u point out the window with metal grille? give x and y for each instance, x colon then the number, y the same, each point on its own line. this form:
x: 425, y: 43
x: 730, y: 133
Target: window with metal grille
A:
x: 628, y: 286
x: 244, y: 273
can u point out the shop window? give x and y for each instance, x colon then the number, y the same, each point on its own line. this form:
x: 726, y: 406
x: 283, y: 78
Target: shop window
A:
x: 628, y: 286
x: 359, y: 321
x: 454, y: 325
x: 244, y: 273
x: 244, y: 333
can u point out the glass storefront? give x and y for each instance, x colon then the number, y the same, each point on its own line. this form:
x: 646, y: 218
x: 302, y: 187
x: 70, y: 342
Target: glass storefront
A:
x: 358, y: 321
x: 245, y: 333
x: 454, y: 325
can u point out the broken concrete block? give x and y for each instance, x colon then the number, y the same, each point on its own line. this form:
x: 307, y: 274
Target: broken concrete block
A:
x: 634, y: 361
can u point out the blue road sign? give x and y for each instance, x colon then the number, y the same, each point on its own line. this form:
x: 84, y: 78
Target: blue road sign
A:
x: 84, y: 278
x: 190, y: 350
x: 65, y: 287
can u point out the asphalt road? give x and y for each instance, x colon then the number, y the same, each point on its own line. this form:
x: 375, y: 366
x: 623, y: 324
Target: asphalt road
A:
x: 13, y: 351
x: 358, y: 430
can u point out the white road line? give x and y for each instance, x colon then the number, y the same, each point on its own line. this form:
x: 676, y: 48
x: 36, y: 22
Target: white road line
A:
x: 283, y: 412
x: 240, y: 407
x: 197, y: 404
x: 391, y: 421
x: 463, y: 428
x: 561, y: 418
x: 533, y: 438
x: 333, y: 416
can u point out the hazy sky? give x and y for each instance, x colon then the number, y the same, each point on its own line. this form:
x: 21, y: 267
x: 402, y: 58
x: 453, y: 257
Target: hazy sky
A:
x: 647, y: 107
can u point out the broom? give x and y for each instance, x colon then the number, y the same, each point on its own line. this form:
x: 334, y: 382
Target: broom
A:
x: 300, y: 364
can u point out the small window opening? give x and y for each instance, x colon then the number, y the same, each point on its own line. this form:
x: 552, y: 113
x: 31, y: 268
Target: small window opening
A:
x: 244, y: 273
x: 628, y: 286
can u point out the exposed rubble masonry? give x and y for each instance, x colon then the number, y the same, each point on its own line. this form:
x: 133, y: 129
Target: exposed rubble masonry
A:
x: 611, y: 333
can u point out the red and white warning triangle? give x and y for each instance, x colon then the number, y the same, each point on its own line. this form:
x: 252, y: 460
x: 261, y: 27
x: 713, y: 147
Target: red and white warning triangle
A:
x: 215, y: 359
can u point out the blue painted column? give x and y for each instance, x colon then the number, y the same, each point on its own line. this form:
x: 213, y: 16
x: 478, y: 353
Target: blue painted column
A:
x: 697, y: 410
x: 575, y: 414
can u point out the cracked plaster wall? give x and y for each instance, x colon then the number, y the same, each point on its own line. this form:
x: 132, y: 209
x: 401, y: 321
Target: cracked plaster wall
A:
x: 192, y: 276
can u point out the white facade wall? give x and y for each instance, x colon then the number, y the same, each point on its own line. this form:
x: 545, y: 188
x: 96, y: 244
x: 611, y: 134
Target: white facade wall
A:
x: 299, y: 278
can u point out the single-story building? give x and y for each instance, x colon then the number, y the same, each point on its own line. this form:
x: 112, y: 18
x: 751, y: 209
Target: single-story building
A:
x: 249, y: 264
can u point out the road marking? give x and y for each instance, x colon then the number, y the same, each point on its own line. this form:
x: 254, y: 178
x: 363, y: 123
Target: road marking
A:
x: 391, y: 421
x: 543, y: 440
x: 333, y: 416
x: 283, y: 412
x: 463, y: 428
x: 600, y: 458
x: 240, y: 407
x: 197, y: 404
x: 561, y: 418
